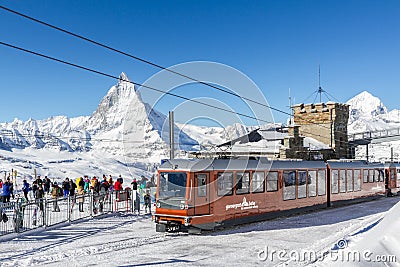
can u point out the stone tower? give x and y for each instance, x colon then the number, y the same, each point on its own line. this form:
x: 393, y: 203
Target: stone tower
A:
x: 325, y: 122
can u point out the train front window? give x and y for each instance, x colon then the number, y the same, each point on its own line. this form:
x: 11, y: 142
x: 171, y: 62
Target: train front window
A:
x: 172, y: 184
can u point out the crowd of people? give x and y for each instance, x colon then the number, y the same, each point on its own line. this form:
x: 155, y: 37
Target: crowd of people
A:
x: 74, y: 189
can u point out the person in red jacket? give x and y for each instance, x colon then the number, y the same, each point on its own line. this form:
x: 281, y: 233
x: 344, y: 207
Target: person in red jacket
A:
x: 117, y: 186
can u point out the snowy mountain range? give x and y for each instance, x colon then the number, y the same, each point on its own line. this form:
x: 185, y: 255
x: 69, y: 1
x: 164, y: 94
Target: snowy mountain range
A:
x: 131, y: 136
x: 368, y: 113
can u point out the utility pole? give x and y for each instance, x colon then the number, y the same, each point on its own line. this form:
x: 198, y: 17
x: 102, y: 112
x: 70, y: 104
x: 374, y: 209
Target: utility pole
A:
x: 171, y: 135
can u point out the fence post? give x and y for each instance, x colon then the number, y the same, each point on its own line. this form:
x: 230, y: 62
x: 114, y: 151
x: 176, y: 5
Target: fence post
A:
x: 45, y: 213
x: 68, y: 209
x: 91, y: 204
x: 132, y: 201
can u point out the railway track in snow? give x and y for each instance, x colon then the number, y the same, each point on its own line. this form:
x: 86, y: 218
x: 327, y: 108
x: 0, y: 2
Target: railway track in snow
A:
x: 51, y: 254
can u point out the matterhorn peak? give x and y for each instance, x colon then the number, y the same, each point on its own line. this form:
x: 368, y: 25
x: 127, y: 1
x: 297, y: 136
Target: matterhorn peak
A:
x: 124, y: 84
x: 123, y: 78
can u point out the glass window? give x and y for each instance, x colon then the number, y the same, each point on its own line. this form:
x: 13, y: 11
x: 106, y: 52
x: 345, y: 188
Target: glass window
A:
x: 172, y: 184
x: 365, y: 180
x: 398, y: 178
x: 242, y: 183
x: 392, y: 174
x: 272, y: 181
x: 335, y: 181
x: 201, y: 183
x: 342, y: 181
x: 371, y: 176
x: 257, y: 182
x: 357, y: 180
x: 225, y: 183
x: 349, y: 179
x: 289, y: 189
x: 312, y: 183
x: 381, y: 176
x: 301, y: 184
x: 321, y: 183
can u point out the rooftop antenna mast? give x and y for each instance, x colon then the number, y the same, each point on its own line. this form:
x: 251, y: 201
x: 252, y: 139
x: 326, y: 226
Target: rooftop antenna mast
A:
x: 320, y: 90
x: 291, y: 109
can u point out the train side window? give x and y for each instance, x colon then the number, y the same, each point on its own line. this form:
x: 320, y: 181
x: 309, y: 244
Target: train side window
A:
x: 392, y: 175
x: 322, y: 183
x: 365, y: 172
x: 312, y: 183
x: 342, y: 181
x: 371, y: 176
x: 377, y: 175
x: 272, y: 181
x: 257, y: 182
x: 302, y: 184
x: 201, y: 183
x: 242, y: 183
x: 398, y: 177
x: 335, y: 181
x: 357, y: 180
x: 289, y: 189
x: 225, y: 183
x: 349, y: 179
x: 381, y: 176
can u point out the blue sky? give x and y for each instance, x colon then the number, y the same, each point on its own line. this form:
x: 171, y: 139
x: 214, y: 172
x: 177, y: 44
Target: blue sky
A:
x: 278, y: 44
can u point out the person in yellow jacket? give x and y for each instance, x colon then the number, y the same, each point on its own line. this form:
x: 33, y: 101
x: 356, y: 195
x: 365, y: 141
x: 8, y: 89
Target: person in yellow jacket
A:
x: 77, y: 181
x: 93, y: 181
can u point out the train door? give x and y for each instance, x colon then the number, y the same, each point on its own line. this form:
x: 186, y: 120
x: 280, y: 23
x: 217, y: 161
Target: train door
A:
x: 202, y: 194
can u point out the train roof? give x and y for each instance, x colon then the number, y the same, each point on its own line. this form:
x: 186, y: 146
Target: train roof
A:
x: 196, y: 165
x: 338, y: 164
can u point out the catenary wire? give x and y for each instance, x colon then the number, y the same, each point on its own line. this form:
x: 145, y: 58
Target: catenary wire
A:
x: 147, y: 62
x: 114, y: 77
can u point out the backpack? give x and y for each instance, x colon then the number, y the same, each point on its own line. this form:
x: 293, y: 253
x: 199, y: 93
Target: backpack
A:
x: 4, y: 217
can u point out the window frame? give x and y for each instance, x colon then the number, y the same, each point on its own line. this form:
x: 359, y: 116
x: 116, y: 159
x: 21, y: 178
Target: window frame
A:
x: 294, y: 184
x: 323, y: 179
x: 243, y: 174
x: 257, y: 189
x: 301, y: 186
x: 201, y: 189
x: 315, y: 183
x: 272, y: 180
x: 228, y: 192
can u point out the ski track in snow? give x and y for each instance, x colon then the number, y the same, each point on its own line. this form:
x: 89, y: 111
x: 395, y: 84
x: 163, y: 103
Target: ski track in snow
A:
x: 130, y: 240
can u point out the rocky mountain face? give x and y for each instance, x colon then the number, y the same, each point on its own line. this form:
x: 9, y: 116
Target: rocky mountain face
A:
x: 122, y: 124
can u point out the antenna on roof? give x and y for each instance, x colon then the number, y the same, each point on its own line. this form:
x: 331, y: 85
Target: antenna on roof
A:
x: 320, y: 90
x: 291, y: 109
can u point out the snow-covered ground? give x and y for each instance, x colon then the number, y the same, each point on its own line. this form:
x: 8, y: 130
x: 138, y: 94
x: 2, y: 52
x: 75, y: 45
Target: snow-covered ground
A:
x: 131, y: 240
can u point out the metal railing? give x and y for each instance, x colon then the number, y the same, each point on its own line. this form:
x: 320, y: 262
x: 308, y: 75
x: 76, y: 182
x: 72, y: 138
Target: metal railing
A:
x: 21, y: 216
x: 374, y: 134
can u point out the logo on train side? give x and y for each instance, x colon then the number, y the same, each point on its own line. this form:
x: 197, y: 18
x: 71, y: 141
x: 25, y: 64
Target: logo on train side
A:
x: 243, y: 206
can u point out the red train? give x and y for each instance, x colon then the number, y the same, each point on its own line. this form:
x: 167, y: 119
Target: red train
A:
x: 207, y: 194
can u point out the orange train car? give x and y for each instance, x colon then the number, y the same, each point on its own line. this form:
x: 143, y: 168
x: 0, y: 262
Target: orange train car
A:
x: 207, y: 194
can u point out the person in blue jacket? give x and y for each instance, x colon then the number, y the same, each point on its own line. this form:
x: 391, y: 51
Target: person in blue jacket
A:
x: 25, y: 189
x: 6, y: 191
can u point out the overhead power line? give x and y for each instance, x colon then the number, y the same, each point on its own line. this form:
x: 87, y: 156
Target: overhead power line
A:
x: 144, y: 86
x: 147, y: 62
x: 157, y: 66
x: 114, y: 77
x: 139, y: 58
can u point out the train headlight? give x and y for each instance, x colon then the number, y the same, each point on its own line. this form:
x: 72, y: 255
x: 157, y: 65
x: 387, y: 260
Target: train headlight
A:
x: 187, y: 221
x: 158, y: 205
x: 182, y: 206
